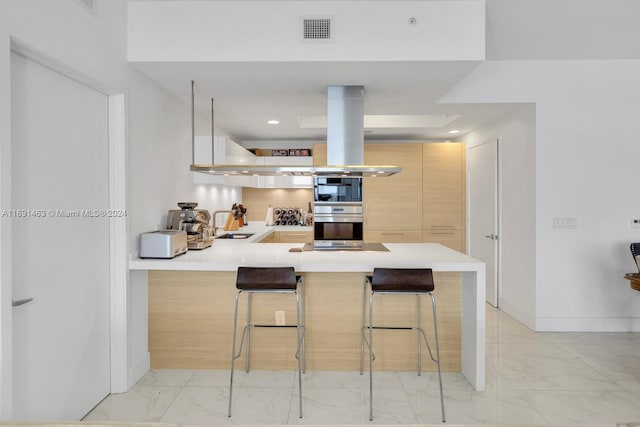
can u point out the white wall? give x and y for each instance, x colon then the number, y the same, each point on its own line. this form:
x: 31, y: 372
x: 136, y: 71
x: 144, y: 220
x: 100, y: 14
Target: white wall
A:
x: 270, y: 31
x: 158, y: 141
x: 517, y: 171
x: 586, y: 113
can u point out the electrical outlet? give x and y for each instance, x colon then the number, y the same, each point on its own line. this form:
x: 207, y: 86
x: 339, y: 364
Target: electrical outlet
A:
x: 280, y: 320
x: 635, y: 223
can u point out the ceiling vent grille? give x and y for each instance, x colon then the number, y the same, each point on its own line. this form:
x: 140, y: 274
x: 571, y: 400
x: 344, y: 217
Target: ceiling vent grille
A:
x: 316, y: 29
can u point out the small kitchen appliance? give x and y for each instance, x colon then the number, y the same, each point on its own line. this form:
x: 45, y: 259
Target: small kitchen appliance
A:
x: 163, y: 244
x: 195, y: 222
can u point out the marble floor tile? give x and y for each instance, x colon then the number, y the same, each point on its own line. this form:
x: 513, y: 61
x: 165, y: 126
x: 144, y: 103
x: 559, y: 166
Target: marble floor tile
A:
x: 551, y: 373
x: 141, y: 403
x: 469, y: 407
x: 199, y: 406
x: 586, y: 407
x: 283, y: 379
x: 603, y: 338
x: 211, y: 378
x: 390, y: 406
x: 261, y: 405
x: 383, y: 379
x: 333, y: 379
x: 452, y: 381
x: 166, y: 377
x: 619, y: 362
x: 328, y: 406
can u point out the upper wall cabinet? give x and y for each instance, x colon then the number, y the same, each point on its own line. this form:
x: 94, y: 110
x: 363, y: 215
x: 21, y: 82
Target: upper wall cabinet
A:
x: 226, y: 152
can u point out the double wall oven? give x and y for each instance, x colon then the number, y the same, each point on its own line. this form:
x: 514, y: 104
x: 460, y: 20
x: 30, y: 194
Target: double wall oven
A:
x: 338, y: 213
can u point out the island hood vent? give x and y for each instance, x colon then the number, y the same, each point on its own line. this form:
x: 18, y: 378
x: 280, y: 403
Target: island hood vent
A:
x: 345, y: 144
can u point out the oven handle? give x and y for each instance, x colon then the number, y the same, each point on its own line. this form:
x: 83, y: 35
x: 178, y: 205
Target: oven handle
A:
x: 337, y: 218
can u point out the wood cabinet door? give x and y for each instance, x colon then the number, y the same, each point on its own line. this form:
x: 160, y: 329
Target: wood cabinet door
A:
x: 295, y: 236
x: 449, y: 237
x: 443, y: 184
x: 395, y: 202
x: 375, y: 236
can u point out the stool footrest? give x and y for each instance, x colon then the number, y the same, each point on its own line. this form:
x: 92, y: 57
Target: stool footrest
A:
x: 405, y: 328
x: 274, y: 326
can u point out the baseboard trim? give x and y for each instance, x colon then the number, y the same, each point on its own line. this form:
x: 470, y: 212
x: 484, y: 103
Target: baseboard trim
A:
x: 513, y: 311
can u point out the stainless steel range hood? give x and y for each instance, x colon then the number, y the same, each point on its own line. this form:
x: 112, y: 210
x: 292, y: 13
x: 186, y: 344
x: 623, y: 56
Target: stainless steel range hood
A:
x: 345, y: 144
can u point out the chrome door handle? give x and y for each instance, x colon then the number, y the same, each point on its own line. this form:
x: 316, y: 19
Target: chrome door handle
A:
x: 492, y: 236
x: 18, y: 303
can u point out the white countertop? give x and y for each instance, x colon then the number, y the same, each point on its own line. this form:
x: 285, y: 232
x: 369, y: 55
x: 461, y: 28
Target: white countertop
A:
x: 229, y: 254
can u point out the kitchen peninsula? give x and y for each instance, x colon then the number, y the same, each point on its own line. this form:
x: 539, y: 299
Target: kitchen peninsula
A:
x: 191, y: 307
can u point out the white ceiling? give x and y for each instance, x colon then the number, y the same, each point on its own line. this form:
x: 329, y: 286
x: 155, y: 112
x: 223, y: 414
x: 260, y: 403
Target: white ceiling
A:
x: 248, y: 94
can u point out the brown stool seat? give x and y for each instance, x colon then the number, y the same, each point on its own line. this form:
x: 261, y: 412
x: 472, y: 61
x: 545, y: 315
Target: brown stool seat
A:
x: 412, y: 280
x: 266, y: 278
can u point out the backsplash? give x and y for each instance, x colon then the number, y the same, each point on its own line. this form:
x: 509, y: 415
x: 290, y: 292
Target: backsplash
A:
x: 257, y: 200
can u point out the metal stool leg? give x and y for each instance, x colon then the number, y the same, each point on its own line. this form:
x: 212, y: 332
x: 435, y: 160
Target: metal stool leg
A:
x: 233, y: 350
x: 418, y: 335
x: 304, y: 326
x: 300, y: 351
x: 371, y: 356
x: 249, y: 301
x: 435, y: 329
x: 362, y: 328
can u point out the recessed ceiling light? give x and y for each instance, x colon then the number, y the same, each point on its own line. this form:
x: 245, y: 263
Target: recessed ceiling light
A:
x: 273, y: 122
x: 454, y: 131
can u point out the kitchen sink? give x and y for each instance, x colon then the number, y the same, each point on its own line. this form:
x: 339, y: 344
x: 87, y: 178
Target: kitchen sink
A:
x: 234, y: 236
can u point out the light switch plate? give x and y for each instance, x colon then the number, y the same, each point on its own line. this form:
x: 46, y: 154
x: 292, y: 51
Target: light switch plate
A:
x: 565, y: 223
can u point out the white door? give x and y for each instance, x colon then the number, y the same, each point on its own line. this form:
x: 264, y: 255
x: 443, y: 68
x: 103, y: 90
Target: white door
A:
x: 483, y: 211
x: 60, y: 253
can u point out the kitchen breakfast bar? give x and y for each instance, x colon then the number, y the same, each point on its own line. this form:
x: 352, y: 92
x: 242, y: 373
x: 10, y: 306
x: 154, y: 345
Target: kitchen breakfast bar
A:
x: 191, y: 300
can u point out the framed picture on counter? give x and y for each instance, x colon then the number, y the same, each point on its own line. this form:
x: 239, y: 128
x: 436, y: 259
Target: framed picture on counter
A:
x: 279, y: 152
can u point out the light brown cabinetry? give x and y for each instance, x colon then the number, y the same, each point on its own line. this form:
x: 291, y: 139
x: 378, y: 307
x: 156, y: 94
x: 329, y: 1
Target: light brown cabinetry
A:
x: 288, y: 237
x: 393, y: 204
x: 271, y: 238
x: 294, y: 236
x: 423, y: 203
x: 409, y: 236
x: 443, y: 194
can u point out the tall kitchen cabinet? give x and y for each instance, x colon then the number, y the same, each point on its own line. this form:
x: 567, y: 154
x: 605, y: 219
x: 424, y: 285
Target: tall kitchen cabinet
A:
x: 393, y: 205
x: 426, y: 202
x: 444, y: 194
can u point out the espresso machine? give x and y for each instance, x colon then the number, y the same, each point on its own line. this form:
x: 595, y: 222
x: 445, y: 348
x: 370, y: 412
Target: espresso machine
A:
x: 195, y: 222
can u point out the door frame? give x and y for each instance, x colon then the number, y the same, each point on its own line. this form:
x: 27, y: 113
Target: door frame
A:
x: 498, y: 219
x: 118, y: 242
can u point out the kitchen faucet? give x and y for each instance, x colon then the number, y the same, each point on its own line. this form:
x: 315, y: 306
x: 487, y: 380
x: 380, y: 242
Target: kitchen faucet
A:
x: 215, y: 229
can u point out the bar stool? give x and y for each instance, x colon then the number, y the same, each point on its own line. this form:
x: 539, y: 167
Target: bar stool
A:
x: 253, y: 280
x: 399, y: 281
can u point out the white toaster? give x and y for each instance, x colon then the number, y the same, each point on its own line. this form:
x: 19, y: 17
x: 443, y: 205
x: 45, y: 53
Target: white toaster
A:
x: 163, y: 244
